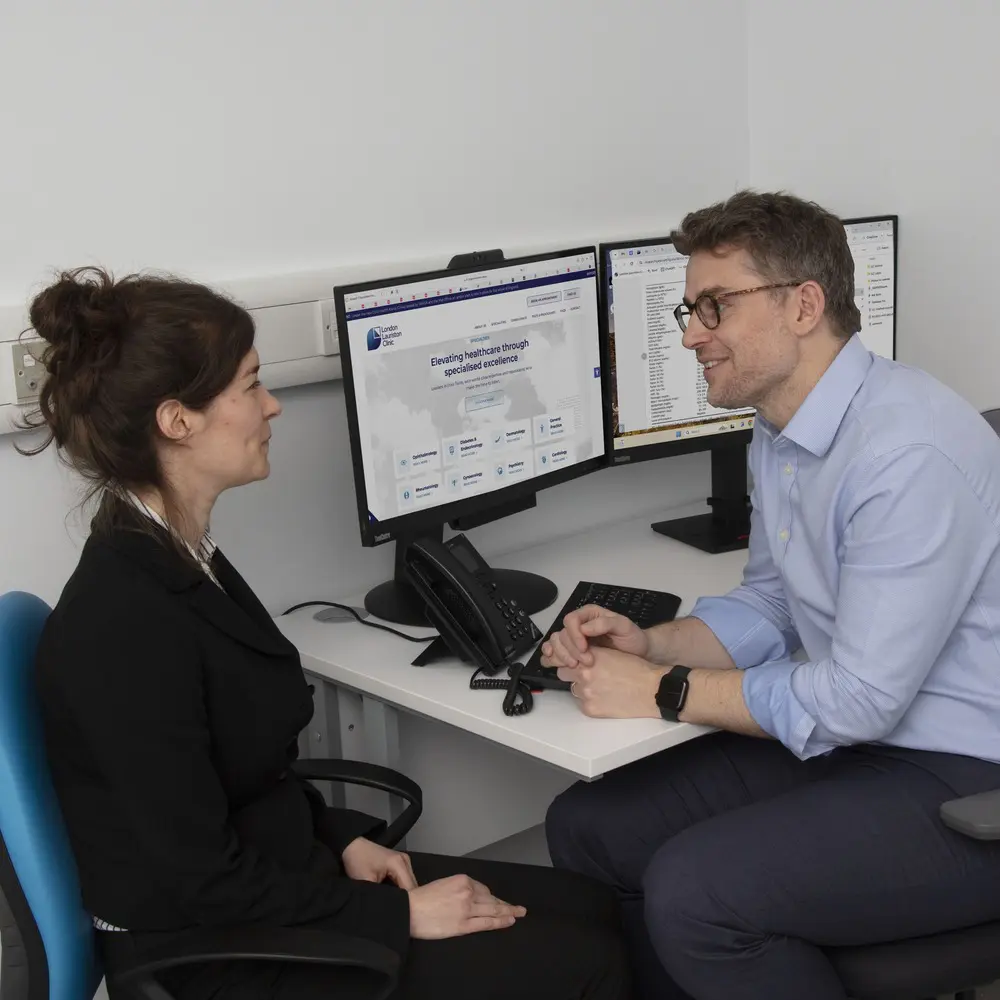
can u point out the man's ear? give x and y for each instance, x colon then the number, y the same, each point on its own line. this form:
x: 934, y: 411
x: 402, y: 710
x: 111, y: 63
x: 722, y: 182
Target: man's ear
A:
x: 173, y: 420
x: 810, y: 305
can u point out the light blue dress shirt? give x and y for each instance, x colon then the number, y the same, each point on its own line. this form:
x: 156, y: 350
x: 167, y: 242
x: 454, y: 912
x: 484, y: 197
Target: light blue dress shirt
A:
x: 874, y: 548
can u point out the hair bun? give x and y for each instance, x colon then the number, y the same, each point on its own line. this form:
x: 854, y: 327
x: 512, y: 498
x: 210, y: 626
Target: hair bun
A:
x: 84, y: 318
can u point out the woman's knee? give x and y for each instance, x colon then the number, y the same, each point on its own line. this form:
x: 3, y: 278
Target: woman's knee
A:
x: 611, y: 975
x: 599, y: 965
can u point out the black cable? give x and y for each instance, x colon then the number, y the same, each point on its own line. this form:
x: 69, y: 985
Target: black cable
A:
x: 347, y: 607
x: 514, y: 686
x: 518, y: 699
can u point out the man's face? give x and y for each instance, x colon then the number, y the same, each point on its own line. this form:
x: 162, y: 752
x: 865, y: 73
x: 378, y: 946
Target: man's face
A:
x: 752, y: 351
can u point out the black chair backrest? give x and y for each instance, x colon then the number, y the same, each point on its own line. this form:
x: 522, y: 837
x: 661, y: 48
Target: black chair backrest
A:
x: 992, y: 417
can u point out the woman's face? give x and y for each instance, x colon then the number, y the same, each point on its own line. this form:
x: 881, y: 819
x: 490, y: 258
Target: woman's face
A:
x: 229, y: 444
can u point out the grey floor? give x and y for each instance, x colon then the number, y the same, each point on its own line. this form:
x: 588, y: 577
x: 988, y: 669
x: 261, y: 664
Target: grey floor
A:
x: 528, y: 848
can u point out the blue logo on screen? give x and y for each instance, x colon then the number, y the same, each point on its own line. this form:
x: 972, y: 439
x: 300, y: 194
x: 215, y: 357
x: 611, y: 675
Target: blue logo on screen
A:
x: 381, y: 335
x: 597, y: 373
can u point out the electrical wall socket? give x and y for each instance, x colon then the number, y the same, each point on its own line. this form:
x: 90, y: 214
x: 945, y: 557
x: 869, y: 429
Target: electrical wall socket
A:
x: 28, y: 369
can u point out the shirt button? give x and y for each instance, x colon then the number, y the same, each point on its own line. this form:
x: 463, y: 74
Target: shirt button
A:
x: 788, y: 469
x: 783, y: 534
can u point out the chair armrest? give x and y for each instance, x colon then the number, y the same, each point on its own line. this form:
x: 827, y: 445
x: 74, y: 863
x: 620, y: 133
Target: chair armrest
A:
x: 356, y: 772
x: 975, y: 815
x: 280, y: 944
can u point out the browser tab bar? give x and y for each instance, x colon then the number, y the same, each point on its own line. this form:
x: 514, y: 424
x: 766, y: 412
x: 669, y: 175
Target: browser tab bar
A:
x: 476, y: 282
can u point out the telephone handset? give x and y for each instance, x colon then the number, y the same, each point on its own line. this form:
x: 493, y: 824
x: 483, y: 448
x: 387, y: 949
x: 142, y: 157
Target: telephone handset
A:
x: 475, y: 619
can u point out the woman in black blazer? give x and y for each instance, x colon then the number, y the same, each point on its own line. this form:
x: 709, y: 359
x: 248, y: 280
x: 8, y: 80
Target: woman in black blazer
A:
x: 173, y: 703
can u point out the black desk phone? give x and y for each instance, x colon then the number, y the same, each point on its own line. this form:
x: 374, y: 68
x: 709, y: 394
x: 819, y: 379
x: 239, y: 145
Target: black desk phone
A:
x: 476, y: 620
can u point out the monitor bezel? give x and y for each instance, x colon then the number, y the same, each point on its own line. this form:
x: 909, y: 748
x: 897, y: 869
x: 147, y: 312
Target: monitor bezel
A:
x: 655, y: 449
x: 894, y: 219
x: 708, y: 442
x: 380, y: 532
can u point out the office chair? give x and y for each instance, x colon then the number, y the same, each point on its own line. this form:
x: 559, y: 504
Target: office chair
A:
x: 992, y: 417
x: 48, y: 944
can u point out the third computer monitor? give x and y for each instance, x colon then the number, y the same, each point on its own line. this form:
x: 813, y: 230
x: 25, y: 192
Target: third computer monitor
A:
x: 657, y: 398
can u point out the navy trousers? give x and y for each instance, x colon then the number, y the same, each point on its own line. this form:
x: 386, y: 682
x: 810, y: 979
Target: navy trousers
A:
x: 737, y: 864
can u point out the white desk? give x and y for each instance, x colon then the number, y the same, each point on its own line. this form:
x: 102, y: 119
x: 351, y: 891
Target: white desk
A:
x: 372, y: 673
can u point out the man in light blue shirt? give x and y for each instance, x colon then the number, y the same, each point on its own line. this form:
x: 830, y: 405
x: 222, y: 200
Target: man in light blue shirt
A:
x: 855, y: 673
x: 875, y: 548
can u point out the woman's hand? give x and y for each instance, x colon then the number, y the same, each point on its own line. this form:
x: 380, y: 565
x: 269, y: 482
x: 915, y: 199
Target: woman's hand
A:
x: 369, y: 862
x: 451, y: 907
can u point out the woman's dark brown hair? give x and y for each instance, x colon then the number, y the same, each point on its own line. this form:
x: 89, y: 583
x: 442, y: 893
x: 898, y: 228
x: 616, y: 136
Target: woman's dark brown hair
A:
x: 116, y: 350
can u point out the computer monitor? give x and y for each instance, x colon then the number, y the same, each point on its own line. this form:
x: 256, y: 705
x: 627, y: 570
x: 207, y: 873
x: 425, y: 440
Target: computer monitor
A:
x: 873, y: 243
x: 657, y: 397
x: 468, y: 390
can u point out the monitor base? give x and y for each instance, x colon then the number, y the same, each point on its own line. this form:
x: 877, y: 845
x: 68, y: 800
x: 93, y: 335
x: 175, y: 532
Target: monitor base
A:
x: 707, y: 532
x: 396, y: 601
x: 727, y: 527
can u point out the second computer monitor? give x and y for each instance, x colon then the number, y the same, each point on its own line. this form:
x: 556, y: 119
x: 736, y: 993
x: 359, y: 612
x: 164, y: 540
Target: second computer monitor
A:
x: 658, y: 398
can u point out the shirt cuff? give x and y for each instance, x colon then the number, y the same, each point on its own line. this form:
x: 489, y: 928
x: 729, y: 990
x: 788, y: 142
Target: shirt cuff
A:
x: 767, y: 691
x: 748, y: 636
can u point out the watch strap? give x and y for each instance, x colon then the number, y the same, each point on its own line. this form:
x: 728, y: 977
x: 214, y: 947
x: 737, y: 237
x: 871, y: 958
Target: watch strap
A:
x: 667, y: 712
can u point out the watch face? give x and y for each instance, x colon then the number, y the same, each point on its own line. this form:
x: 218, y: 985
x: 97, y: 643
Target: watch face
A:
x: 671, y: 692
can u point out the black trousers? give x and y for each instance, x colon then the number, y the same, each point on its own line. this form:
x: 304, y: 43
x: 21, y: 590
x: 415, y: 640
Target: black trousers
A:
x: 568, y: 947
x: 737, y: 864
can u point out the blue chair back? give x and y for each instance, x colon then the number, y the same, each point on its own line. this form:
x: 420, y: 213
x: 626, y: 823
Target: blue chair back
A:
x: 48, y: 942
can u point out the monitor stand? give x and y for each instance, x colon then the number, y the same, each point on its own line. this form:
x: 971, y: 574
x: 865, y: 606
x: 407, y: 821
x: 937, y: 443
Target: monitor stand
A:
x: 396, y: 600
x: 727, y: 527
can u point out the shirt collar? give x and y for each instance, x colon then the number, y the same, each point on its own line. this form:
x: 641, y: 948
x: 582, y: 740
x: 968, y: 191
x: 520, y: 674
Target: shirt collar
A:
x: 816, y: 422
x: 206, y: 546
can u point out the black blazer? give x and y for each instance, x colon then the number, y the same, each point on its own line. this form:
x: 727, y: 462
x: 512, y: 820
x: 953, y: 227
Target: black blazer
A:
x: 171, y: 712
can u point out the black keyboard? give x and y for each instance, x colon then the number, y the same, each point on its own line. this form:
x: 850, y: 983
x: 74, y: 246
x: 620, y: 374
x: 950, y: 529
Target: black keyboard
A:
x: 644, y: 607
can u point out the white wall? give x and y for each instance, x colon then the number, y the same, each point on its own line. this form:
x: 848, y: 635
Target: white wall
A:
x: 890, y: 107
x: 238, y: 138
x: 235, y: 139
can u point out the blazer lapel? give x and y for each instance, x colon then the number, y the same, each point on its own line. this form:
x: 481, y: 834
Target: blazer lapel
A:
x: 264, y: 634
x: 235, y: 611
x: 222, y: 609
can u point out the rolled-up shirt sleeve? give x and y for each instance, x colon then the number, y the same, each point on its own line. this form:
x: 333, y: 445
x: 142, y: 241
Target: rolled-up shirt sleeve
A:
x: 916, y: 543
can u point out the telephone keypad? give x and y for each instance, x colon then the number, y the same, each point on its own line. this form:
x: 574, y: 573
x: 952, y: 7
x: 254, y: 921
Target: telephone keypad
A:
x: 520, y: 628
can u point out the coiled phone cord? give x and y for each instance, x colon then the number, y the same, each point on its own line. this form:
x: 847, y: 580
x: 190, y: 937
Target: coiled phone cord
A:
x: 518, y: 700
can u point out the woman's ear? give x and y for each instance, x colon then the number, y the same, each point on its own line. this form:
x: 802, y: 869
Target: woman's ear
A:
x: 173, y: 420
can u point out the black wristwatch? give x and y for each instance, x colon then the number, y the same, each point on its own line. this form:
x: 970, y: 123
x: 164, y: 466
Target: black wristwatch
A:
x: 672, y: 692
